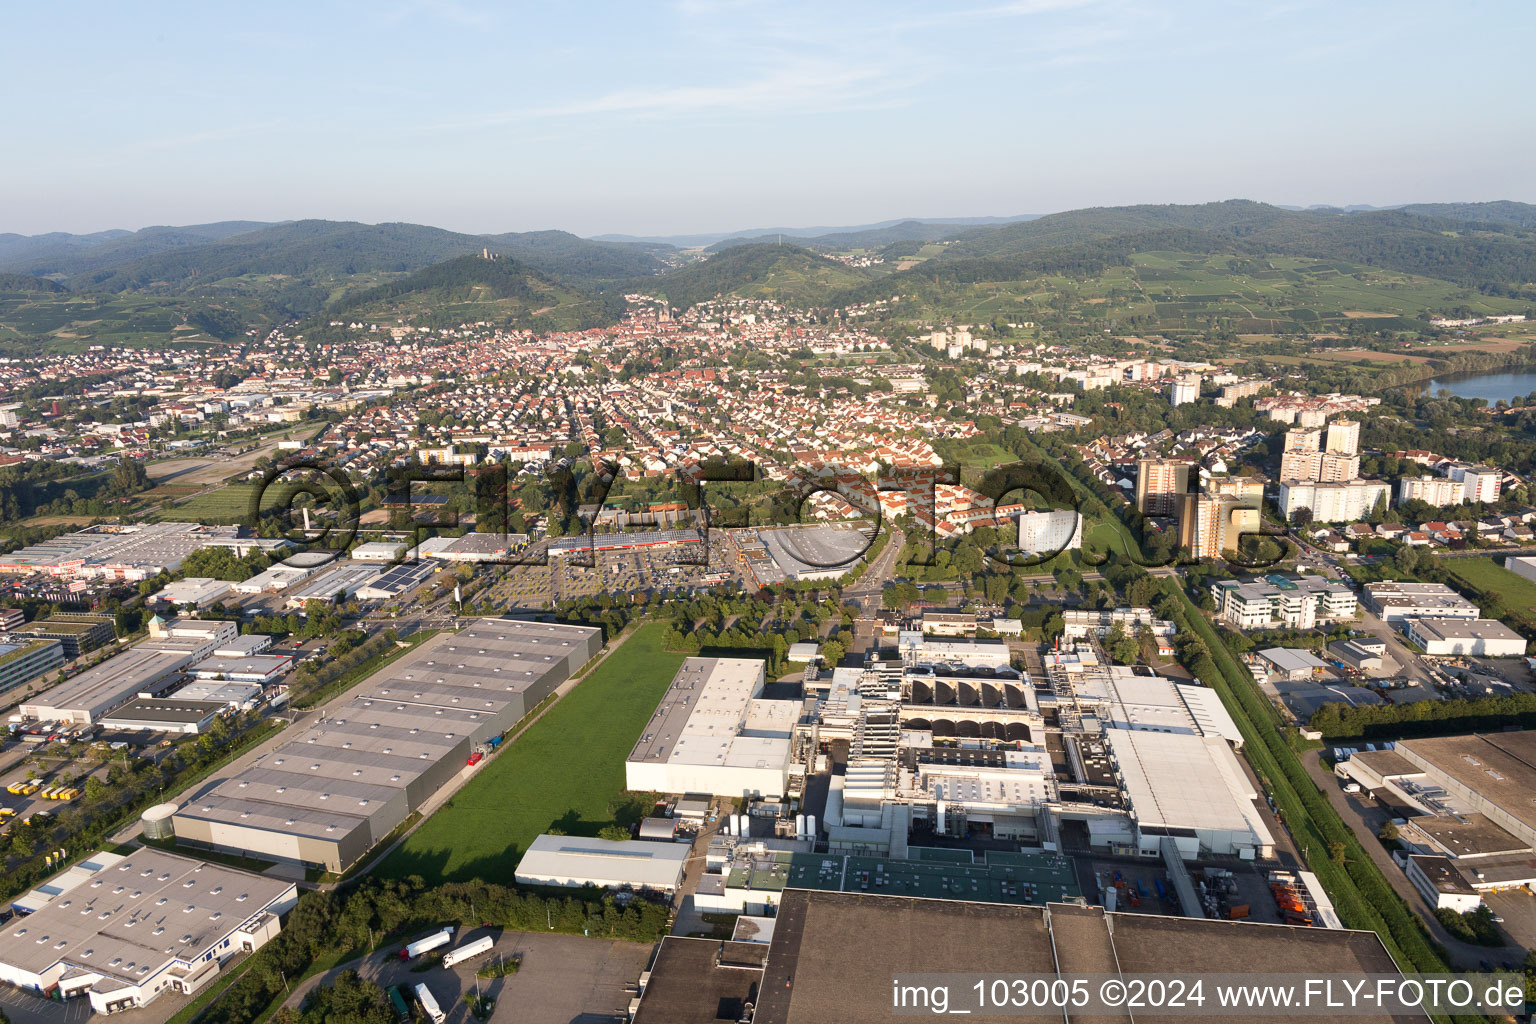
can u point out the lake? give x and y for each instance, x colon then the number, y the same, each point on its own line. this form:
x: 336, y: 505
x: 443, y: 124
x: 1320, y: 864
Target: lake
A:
x: 1508, y: 385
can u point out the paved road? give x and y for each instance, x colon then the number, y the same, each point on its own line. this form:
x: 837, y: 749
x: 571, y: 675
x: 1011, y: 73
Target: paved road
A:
x: 879, y: 572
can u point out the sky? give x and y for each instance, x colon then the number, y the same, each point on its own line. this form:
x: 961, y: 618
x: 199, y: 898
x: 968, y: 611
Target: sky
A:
x: 697, y: 116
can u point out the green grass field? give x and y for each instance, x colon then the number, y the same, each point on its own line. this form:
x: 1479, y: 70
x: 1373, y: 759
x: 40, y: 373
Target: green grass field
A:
x: 1505, y: 595
x: 566, y: 771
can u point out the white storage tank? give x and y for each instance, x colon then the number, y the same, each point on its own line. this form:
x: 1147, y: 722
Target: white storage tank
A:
x: 157, y: 822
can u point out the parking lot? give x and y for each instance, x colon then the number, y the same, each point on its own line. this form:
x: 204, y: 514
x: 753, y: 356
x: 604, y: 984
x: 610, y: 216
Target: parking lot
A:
x: 45, y: 766
x: 562, y: 978
x: 640, y: 572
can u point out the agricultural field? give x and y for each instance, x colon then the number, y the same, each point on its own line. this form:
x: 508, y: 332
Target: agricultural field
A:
x: 226, y: 505
x: 73, y: 322
x: 566, y: 771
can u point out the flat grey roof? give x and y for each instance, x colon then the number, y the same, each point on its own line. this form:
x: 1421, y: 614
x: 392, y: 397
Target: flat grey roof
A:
x: 137, y: 914
x: 1464, y: 629
x: 120, y: 675
x: 822, y: 955
x: 405, y: 719
x: 1499, y: 767
x: 167, y: 711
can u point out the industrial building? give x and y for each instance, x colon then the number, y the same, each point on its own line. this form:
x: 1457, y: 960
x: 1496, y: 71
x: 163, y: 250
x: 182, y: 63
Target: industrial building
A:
x: 833, y: 955
x: 275, y: 578
x: 713, y: 733
x: 920, y: 649
x: 1186, y: 789
x: 1359, y: 655
x: 1523, y: 566
x: 1470, y: 824
x: 343, y: 783
x: 257, y: 668
x: 196, y: 592
x: 1445, y: 637
x: 151, y: 666
x: 130, y: 551
x: 165, y: 714
x: 24, y: 659
x: 402, y: 579
x: 336, y: 583
x: 1289, y: 663
x: 226, y: 693
x: 573, y: 862
x: 123, y: 930
x: 76, y: 634
x: 1396, y: 601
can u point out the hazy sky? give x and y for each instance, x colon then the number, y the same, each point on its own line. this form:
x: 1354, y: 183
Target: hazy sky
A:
x: 703, y: 116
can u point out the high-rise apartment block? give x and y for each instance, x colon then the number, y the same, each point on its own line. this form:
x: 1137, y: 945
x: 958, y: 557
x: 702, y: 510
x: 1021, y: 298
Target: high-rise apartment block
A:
x: 1160, y: 485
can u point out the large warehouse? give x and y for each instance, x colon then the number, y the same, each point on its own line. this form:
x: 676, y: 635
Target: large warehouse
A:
x: 572, y: 862
x: 150, y: 666
x: 342, y: 784
x: 1190, y: 788
x: 713, y: 733
x: 122, y: 930
x: 1486, y: 638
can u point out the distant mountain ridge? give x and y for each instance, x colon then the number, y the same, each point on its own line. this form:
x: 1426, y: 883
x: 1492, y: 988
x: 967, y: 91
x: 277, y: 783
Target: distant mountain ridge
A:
x: 767, y: 270
x: 174, y: 257
x: 802, y: 235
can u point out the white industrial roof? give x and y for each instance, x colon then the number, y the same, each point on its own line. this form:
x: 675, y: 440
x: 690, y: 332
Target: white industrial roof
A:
x: 564, y: 859
x: 1290, y: 659
x: 711, y: 715
x: 1178, y: 780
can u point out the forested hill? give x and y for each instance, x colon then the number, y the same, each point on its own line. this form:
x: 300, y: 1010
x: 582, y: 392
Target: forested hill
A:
x: 173, y: 258
x: 1520, y: 215
x: 578, y: 259
x: 28, y: 283
x: 1471, y: 253
x: 73, y: 255
x: 500, y: 290
x: 786, y: 273
x: 867, y: 238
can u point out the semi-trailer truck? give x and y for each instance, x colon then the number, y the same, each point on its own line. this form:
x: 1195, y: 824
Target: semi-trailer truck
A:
x: 429, y: 1005
x: 468, y: 951
x: 432, y: 941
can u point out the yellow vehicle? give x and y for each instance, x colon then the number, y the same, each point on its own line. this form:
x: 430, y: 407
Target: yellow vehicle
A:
x: 49, y: 793
x: 68, y: 794
x: 6, y: 812
x: 15, y: 788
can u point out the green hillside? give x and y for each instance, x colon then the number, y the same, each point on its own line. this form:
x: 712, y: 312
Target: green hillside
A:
x: 1520, y: 215
x: 786, y: 273
x: 1473, y: 253
x: 472, y: 288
